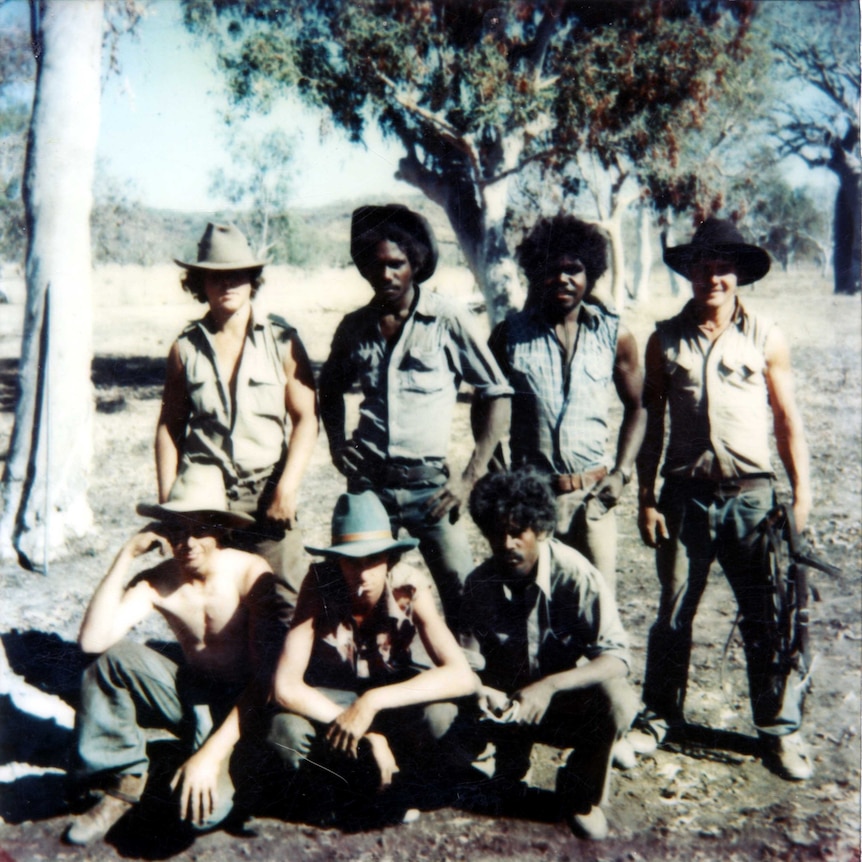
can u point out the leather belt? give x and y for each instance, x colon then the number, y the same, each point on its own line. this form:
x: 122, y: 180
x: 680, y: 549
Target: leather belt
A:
x: 565, y: 483
x: 402, y: 475
x: 728, y: 487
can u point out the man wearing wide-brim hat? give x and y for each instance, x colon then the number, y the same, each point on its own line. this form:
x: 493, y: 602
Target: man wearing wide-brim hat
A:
x: 224, y: 609
x: 724, y: 374
x: 368, y: 666
x: 239, y: 400
x: 409, y: 350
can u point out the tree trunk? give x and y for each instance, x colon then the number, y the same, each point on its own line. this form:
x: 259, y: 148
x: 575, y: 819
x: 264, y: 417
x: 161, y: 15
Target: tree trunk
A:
x: 614, y: 228
x: 46, y: 476
x: 643, y: 263
x: 847, y: 233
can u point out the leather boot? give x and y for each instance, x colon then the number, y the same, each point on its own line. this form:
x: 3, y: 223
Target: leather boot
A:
x: 95, y: 824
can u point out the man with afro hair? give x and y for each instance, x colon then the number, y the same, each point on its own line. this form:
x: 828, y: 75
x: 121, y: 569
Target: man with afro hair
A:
x: 561, y: 353
x: 542, y: 625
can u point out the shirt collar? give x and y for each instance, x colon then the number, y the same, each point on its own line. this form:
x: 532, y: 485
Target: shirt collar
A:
x: 588, y: 315
x: 740, y: 318
x: 543, y: 573
x: 207, y: 325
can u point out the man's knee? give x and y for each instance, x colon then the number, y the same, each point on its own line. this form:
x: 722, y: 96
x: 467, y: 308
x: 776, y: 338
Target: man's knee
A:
x: 622, y: 703
x: 439, y: 718
x: 290, y: 737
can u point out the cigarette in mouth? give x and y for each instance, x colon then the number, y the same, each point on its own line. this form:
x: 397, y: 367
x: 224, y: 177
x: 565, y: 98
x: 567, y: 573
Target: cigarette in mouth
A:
x: 360, y: 591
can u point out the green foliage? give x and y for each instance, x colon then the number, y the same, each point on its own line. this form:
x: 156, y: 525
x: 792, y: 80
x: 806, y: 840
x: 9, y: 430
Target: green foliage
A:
x: 478, y: 91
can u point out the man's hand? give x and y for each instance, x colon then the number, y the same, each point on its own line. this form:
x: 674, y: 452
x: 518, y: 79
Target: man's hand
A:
x: 451, y: 496
x: 348, y: 728
x: 347, y: 459
x: 148, y: 540
x: 610, y: 489
x: 282, y: 508
x: 801, y: 511
x: 198, y: 783
x: 534, y: 700
x: 383, y: 757
x: 652, y: 526
x: 495, y: 705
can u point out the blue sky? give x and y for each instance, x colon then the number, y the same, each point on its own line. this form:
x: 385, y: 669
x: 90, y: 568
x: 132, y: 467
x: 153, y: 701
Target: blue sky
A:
x: 162, y: 129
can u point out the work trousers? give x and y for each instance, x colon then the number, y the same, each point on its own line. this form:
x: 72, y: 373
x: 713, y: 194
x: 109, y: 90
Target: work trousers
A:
x: 587, y: 525
x: 588, y: 721
x: 706, y: 524
x: 131, y: 687
x: 414, y: 734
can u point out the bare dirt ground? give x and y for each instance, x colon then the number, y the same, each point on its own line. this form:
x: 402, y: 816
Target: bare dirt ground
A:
x: 705, y: 797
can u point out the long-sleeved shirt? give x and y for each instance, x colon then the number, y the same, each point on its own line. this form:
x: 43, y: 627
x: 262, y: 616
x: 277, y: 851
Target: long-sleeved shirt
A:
x: 565, y: 613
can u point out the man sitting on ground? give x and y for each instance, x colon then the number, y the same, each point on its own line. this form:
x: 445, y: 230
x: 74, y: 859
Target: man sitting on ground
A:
x: 350, y: 675
x: 223, y: 608
x: 553, y: 650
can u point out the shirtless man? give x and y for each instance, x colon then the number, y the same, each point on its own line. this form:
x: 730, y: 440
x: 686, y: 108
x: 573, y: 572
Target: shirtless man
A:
x: 222, y: 606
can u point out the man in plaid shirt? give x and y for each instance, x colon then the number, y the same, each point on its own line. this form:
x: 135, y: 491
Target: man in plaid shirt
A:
x: 560, y: 354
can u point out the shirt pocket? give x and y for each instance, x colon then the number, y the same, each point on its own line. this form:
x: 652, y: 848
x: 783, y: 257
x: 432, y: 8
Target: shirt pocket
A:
x: 423, y: 371
x: 599, y: 365
x: 266, y: 394
x: 743, y: 368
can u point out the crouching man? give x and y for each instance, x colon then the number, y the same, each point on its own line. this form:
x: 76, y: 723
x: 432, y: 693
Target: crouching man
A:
x: 358, y: 702
x: 554, y: 651
x: 223, y: 609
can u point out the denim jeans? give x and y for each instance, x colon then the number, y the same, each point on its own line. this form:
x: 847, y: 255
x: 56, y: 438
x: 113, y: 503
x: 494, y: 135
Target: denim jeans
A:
x: 706, y: 526
x: 443, y: 543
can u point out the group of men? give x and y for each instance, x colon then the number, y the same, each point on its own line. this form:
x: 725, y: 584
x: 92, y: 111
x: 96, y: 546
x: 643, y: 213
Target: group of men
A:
x: 347, y: 667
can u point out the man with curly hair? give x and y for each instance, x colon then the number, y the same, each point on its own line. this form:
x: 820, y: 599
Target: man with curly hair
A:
x: 554, y: 654
x: 561, y: 353
x: 409, y: 349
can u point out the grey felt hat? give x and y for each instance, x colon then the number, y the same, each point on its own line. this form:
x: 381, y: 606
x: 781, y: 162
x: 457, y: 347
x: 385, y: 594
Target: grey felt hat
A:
x: 223, y: 248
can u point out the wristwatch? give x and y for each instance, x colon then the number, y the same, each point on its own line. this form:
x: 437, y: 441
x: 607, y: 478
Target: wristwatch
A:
x: 627, y: 476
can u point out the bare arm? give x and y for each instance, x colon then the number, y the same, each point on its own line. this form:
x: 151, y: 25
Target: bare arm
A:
x: 628, y: 380
x: 172, y: 423
x: 789, y: 430
x: 650, y: 521
x: 198, y: 778
x: 115, y: 607
x: 300, y: 401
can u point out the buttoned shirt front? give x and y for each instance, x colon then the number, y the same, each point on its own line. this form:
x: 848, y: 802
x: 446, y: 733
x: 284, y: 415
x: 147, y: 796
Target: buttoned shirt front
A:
x: 246, y: 436
x: 409, y: 384
x: 353, y: 657
x: 570, y: 614
x: 559, y: 410
x: 717, y: 397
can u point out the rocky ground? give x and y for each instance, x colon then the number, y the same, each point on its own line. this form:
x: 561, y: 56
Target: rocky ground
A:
x: 706, y: 796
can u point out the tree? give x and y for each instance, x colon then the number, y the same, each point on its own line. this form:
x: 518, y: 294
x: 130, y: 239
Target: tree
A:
x: 818, y: 44
x: 45, y: 480
x: 258, y: 182
x: 476, y: 92
x: 17, y: 70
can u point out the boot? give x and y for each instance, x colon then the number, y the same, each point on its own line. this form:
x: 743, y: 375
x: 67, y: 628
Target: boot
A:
x: 95, y: 824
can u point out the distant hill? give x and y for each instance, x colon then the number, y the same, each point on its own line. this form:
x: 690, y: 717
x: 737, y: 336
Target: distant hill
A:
x: 124, y: 233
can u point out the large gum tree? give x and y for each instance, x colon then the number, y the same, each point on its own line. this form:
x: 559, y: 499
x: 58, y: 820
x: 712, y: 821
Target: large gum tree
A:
x: 477, y: 91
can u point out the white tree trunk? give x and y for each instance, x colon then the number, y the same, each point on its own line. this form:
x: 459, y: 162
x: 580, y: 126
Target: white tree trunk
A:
x: 614, y: 227
x: 47, y: 472
x: 643, y: 262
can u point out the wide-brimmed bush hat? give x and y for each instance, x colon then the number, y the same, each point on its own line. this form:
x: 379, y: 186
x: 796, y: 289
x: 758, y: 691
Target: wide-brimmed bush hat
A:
x: 197, y: 497
x: 370, y: 218
x: 720, y: 238
x: 361, y: 528
x: 223, y: 248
